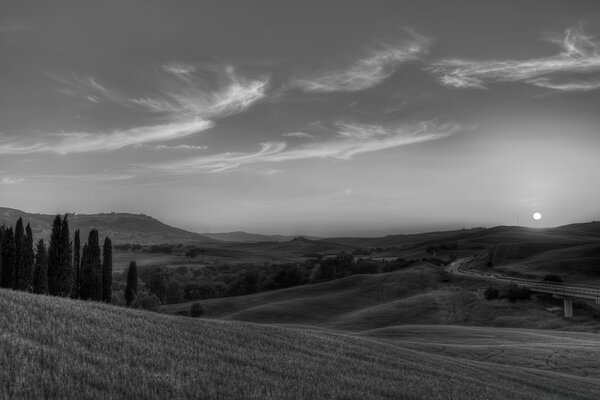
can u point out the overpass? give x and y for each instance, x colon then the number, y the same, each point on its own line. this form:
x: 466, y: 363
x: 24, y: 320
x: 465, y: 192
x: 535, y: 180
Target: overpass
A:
x: 567, y: 292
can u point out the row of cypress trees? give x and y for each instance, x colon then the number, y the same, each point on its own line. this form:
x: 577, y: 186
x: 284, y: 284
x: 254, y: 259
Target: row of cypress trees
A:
x: 59, y: 270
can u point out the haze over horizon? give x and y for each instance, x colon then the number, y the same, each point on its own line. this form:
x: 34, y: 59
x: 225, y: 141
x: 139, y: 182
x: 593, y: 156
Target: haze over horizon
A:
x: 319, y: 118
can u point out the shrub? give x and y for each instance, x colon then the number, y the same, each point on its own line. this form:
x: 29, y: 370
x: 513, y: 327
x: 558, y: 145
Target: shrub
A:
x: 196, y: 310
x: 146, y: 302
x: 515, y: 293
x: 491, y: 293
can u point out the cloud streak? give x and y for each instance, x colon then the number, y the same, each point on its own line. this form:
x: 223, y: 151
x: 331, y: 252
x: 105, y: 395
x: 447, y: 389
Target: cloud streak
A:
x: 299, y: 135
x: 365, y: 72
x: 186, y: 105
x: 576, y: 68
x: 7, y: 180
x: 78, y: 142
x: 351, y: 140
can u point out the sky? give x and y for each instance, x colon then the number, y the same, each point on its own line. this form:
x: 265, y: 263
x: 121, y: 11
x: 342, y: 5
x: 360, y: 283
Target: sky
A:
x: 354, y: 118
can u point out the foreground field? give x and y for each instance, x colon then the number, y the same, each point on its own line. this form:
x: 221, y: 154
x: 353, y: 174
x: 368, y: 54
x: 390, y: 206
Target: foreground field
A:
x: 60, y: 348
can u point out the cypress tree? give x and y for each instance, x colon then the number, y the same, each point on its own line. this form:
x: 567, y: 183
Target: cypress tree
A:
x: 59, y: 258
x: 84, y: 292
x: 76, y: 289
x: 93, y: 268
x: 26, y: 268
x: 19, y: 252
x: 66, y: 259
x: 2, y: 230
x: 131, y: 288
x: 54, y: 257
x: 8, y: 259
x: 107, y: 271
x: 40, y: 270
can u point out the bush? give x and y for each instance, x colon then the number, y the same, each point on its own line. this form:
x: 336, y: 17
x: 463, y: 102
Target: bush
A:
x: 146, y: 302
x: 515, y: 293
x: 196, y: 310
x: 491, y: 293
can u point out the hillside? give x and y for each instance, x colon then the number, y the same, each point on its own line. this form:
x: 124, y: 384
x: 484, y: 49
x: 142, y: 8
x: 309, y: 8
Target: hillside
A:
x: 417, y: 295
x: 59, y: 348
x: 121, y: 227
x: 240, y: 236
x: 571, y: 252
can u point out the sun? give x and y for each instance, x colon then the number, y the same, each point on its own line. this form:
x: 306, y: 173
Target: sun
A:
x: 537, y: 216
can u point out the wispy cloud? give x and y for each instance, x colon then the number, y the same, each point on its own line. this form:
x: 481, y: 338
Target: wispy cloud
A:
x: 179, y: 69
x: 7, y: 180
x: 351, y: 140
x: 78, y: 142
x: 300, y: 135
x: 365, y: 72
x: 89, y: 178
x: 179, y: 147
x: 188, y: 106
x: 190, y: 96
x: 576, y: 68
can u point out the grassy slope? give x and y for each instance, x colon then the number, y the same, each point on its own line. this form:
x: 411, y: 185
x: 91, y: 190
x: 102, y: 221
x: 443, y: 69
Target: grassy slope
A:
x: 60, y: 348
x: 417, y: 295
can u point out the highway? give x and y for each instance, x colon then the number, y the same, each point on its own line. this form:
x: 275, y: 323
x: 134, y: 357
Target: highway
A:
x: 458, y: 267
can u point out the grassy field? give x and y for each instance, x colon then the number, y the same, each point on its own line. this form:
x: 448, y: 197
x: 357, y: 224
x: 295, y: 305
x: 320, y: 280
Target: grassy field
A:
x: 416, y: 295
x: 58, y: 348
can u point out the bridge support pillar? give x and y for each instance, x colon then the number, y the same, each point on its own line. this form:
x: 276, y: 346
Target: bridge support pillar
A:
x: 568, y: 305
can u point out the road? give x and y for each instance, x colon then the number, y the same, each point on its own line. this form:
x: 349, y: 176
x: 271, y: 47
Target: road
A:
x: 459, y: 267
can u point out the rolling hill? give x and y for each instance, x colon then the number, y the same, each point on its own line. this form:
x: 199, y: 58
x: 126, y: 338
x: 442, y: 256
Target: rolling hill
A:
x: 240, y: 236
x: 57, y: 348
x: 121, y: 227
x: 570, y: 251
x: 422, y: 294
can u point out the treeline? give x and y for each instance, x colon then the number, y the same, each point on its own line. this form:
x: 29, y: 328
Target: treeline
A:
x: 162, y: 285
x: 60, y: 268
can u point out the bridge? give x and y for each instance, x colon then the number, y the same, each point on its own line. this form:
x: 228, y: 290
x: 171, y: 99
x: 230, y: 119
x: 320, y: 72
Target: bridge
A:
x: 566, y: 292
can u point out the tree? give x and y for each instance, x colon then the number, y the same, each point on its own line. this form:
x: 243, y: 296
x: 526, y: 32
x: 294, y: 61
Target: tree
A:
x: 66, y: 259
x: 19, y: 244
x: 76, y: 287
x: 175, y: 293
x: 131, y: 288
x: 8, y: 259
x: 157, y: 283
x: 59, y: 258
x: 107, y: 270
x: 431, y: 250
x: 491, y: 293
x: 196, y: 310
x: 40, y: 270
x: 515, y: 293
x: 85, y: 270
x: 91, y: 270
x: 25, y: 281
x: 2, y: 230
x: 146, y: 302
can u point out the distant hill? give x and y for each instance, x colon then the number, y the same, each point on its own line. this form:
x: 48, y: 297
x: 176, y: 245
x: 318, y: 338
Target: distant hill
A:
x: 58, y: 348
x: 121, y: 227
x: 570, y: 251
x: 240, y: 236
